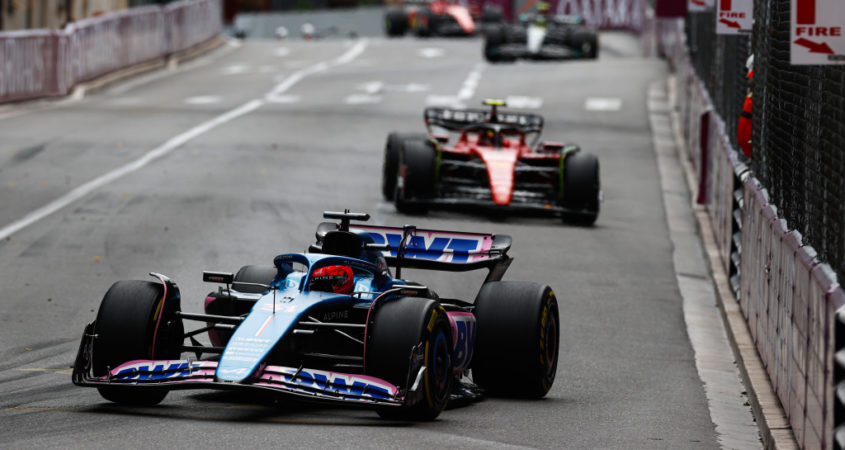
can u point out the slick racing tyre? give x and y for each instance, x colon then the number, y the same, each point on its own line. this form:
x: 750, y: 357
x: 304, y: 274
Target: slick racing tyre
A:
x: 495, y: 37
x: 221, y: 304
x: 398, y: 327
x: 390, y: 167
x: 516, y: 345
x: 263, y: 275
x: 586, y: 42
x: 125, y: 330
x: 581, y: 188
x: 395, y: 22
x: 417, y: 171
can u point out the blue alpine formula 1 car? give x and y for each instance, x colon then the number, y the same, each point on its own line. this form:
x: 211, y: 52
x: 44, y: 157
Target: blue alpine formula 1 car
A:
x: 333, y: 324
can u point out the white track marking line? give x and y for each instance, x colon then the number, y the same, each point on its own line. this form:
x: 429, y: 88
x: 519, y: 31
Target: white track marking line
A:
x: 522, y: 102
x: 170, y: 145
x: 102, y: 180
x: 603, y: 104
x: 202, y: 100
x: 466, y: 92
x: 297, y: 76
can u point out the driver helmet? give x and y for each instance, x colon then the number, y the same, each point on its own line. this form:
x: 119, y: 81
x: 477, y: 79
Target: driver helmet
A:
x: 337, y: 279
x: 487, y: 137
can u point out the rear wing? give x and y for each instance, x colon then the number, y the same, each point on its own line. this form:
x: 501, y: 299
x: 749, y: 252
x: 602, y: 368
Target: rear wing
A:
x: 457, y: 119
x: 453, y: 251
x: 408, y: 246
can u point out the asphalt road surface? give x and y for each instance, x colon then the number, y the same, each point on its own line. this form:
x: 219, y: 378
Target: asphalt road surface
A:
x: 227, y: 175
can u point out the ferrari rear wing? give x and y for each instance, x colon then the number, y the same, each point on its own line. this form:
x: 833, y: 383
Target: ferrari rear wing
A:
x: 457, y: 119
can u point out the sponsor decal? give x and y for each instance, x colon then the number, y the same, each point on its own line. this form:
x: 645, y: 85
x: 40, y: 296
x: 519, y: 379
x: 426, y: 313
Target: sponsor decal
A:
x: 339, y: 383
x: 435, y: 246
x: 332, y: 315
x: 155, y: 370
x: 464, y: 337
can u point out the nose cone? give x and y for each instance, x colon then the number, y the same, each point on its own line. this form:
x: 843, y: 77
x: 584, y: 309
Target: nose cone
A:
x: 463, y: 18
x: 500, y: 167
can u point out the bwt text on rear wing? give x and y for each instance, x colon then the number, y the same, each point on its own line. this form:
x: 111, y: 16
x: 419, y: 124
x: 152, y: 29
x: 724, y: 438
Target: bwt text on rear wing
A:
x: 453, y: 251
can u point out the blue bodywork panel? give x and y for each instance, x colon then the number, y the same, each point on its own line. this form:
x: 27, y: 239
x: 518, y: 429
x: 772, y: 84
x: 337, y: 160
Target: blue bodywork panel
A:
x: 277, y: 311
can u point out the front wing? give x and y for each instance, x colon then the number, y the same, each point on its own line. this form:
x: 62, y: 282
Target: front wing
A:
x: 193, y: 374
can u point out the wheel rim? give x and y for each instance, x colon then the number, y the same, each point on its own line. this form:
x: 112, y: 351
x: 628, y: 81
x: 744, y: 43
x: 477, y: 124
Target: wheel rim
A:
x: 551, y: 345
x: 440, y: 365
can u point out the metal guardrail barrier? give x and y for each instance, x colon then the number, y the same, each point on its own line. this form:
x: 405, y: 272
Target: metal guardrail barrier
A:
x: 41, y: 63
x: 788, y: 297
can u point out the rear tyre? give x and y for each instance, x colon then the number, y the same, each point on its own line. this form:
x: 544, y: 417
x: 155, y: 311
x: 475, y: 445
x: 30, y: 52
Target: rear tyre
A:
x: 417, y: 172
x: 390, y: 166
x: 222, y: 304
x: 581, y: 188
x: 395, y: 22
x: 254, y: 274
x: 495, y: 37
x: 398, y: 326
x: 588, y: 44
x: 126, y: 330
x: 516, y: 347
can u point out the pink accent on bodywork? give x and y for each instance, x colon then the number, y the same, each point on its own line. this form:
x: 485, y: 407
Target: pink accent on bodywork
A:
x: 204, y: 368
x: 462, y: 16
x: 161, y: 313
x: 452, y: 315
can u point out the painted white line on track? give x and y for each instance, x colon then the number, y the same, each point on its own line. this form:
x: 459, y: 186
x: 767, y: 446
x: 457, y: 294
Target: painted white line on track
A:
x: 107, y: 178
x: 362, y: 99
x: 518, y: 101
x: 171, y: 144
x: 295, y: 77
x: 281, y: 51
x: 603, y: 104
x: 466, y: 92
x: 202, y: 100
x: 430, y: 52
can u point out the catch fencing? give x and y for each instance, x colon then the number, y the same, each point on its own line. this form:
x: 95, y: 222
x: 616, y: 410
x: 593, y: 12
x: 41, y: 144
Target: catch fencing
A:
x: 788, y: 297
x: 42, y: 63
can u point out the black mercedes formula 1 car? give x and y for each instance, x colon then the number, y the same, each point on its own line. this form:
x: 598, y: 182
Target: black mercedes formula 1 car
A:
x: 541, y: 37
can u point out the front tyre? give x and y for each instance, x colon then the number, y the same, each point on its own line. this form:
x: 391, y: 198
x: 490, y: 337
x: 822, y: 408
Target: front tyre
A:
x: 128, y: 327
x: 397, y: 328
x: 518, y: 333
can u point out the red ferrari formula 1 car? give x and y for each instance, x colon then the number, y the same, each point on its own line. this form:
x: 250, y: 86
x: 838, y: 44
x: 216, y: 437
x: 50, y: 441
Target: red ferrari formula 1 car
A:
x: 439, y: 18
x: 489, y: 159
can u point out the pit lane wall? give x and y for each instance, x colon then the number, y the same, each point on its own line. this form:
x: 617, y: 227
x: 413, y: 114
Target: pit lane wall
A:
x: 788, y: 297
x: 48, y: 63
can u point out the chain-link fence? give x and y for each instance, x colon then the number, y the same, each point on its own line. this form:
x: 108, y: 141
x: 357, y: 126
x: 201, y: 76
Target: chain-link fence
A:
x: 798, y: 137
